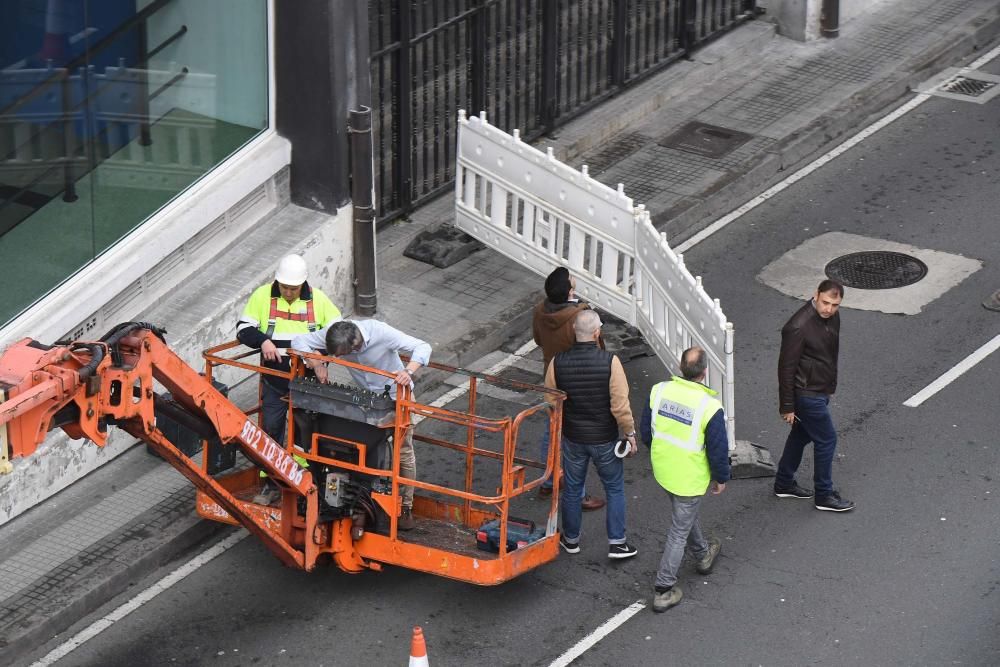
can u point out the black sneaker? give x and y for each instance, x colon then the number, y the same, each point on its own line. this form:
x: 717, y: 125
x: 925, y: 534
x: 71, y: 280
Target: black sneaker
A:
x: 619, y: 551
x: 833, y: 503
x: 793, y: 491
x: 569, y: 547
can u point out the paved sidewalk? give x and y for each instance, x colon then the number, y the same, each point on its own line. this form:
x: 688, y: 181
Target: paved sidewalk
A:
x: 68, y: 556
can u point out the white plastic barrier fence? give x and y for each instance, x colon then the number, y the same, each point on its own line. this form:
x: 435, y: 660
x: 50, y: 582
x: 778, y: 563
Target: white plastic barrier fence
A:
x: 543, y: 213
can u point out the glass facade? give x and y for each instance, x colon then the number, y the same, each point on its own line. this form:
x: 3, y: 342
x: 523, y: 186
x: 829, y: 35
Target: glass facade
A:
x: 108, y: 110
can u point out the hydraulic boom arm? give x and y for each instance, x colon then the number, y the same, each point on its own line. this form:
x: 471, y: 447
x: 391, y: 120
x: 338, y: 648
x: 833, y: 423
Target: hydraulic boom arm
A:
x: 85, y: 387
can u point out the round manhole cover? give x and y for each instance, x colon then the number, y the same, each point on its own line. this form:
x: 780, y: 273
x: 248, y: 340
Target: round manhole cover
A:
x: 876, y: 269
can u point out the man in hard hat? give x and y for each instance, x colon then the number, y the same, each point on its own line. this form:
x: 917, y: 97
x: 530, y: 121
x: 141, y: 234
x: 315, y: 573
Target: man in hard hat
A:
x: 274, y: 314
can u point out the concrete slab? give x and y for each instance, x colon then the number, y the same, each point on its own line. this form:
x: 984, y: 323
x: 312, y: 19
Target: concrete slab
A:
x: 800, y: 270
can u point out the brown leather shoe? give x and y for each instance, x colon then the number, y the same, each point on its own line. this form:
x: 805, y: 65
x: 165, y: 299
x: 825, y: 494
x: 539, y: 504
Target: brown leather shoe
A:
x: 591, y: 503
x: 544, y: 491
x: 406, y: 520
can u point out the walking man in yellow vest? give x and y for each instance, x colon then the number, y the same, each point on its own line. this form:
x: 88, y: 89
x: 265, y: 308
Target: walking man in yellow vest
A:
x: 274, y: 314
x: 685, y: 427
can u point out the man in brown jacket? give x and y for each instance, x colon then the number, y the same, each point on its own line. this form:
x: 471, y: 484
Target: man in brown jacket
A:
x: 552, y: 328
x: 807, y: 377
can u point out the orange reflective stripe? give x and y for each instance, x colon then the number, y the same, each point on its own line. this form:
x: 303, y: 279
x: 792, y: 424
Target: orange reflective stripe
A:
x: 310, y: 315
x: 307, y: 316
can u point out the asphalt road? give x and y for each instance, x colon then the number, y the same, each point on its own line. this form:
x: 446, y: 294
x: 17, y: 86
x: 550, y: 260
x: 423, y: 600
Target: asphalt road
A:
x: 909, y: 578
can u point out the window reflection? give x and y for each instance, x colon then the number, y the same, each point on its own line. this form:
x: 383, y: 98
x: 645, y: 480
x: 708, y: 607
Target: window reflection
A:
x: 109, y: 109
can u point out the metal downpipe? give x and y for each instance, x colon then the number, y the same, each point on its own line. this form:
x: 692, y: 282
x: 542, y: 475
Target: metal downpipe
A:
x: 362, y: 190
x: 829, y: 20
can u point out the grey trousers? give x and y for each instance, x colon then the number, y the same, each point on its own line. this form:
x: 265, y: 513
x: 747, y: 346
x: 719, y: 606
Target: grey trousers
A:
x: 685, y: 530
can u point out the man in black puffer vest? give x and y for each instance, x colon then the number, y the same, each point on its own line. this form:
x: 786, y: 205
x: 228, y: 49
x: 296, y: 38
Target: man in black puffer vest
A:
x: 595, y: 414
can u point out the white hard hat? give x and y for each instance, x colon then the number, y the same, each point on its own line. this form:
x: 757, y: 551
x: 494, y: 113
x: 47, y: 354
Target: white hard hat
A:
x: 291, y: 271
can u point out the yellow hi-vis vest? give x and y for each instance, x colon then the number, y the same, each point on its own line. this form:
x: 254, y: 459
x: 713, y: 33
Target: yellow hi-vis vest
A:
x: 681, y: 411
x: 281, y: 320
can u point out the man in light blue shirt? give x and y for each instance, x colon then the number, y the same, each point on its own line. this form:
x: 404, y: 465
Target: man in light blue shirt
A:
x: 376, y: 344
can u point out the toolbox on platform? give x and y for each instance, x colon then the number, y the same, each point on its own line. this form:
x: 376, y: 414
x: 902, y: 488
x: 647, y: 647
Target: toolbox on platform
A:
x: 520, y: 533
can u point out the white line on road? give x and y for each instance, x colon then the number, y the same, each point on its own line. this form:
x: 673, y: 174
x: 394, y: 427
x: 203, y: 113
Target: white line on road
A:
x: 985, y: 58
x: 953, y: 374
x: 99, y: 626
x: 600, y: 633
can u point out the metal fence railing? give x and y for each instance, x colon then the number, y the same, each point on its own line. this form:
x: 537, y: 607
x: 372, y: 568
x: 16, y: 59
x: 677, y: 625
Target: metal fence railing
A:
x: 530, y: 64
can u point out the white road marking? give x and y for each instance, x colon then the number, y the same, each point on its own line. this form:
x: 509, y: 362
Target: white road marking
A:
x: 600, y: 633
x: 985, y: 58
x: 142, y: 598
x: 953, y: 374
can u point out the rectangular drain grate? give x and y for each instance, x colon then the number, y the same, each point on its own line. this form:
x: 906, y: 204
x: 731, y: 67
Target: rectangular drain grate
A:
x: 962, y: 84
x: 703, y: 139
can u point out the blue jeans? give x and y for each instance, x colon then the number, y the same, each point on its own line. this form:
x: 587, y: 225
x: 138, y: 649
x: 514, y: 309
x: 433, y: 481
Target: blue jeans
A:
x: 544, y: 446
x: 575, y: 458
x: 684, y: 534
x: 815, y: 425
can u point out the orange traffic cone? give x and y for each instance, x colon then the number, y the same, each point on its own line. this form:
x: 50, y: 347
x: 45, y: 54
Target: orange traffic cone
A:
x: 418, y: 649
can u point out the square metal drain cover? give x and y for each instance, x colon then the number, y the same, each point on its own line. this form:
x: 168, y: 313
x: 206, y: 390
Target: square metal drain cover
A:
x: 704, y: 139
x: 964, y: 84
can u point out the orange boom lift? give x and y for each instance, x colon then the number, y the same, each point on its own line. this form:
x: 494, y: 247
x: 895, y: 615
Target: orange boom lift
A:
x: 342, y: 507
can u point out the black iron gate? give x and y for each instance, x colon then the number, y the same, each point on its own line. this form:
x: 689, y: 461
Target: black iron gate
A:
x: 530, y: 64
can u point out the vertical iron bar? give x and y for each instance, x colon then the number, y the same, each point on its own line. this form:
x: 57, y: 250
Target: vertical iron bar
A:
x: 382, y: 186
x: 659, y: 37
x: 404, y: 96
x: 689, y: 12
x: 549, y: 36
x: 618, y: 44
x: 440, y: 104
x: 510, y: 63
x: 445, y: 74
x: 424, y: 114
x: 479, y: 59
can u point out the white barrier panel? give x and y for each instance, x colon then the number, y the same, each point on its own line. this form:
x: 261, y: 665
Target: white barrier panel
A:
x: 542, y: 213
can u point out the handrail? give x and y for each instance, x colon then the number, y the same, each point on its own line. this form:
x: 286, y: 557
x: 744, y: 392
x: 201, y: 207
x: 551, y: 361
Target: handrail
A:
x: 406, y: 407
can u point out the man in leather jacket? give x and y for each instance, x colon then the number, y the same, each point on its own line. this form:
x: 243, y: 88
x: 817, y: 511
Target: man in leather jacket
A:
x: 807, y: 377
